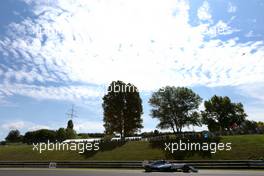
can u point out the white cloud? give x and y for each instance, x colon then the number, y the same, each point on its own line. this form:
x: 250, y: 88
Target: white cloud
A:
x: 231, y: 8
x: 203, y: 12
x: 255, y: 90
x: 82, y: 125
x: 220, y: 28
x: 22, y: 126
x: 254, y: 105
x: 13, y: 125
x: 150, y: 43
x: 255, y: 114
x: 252, y: 34
x: 249, y: 34
x: 69, y: 93
x: 95, y: 42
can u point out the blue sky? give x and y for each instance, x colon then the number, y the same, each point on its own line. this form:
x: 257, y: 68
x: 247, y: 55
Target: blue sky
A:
x: 57, y: 53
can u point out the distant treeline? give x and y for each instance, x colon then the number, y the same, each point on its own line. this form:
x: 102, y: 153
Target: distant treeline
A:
x: 175, y: 108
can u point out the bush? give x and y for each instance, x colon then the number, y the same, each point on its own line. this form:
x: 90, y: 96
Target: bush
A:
x: 3, y: 143
x: 70, y: 133
x: 42, y: 135
x: 61, y: 134
x: 14, y: 136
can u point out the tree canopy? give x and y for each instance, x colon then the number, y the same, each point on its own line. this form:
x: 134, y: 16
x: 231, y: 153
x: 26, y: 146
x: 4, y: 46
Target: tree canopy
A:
x: 175, y: 107
x: 69, y: 131
x: 222, y: 114
x: 13, y: 136
x: 42, y: 135
x: 70, y: 124
x: 122, y: 109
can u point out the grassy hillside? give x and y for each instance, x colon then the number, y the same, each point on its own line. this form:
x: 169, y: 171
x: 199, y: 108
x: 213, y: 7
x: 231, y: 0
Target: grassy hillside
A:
x: 137, y: 150
x: 25, y: 152
x: 243, y: 148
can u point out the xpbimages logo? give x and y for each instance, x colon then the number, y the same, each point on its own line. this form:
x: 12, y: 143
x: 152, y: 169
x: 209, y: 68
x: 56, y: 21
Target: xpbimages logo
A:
x: 192, y: 146
x: 81, y: 147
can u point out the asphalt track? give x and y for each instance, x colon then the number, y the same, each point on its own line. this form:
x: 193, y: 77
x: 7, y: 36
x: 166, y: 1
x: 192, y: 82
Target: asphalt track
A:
x: 113, y: 172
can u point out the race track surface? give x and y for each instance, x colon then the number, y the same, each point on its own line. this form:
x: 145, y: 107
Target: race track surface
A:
x: 112, y: 172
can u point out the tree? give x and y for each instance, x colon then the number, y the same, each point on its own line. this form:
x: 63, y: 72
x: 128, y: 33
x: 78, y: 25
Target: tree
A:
x: 70, y: 132
x: 14, y: 136
x: 212, y: 125
x: 222, y: 114
x: 70, y: 124
x: 61, y: 134
x: 249, y: 127
x: 122, y: 109
x: 260, y: 126
x: 175, y: 108
x: 42, y: 135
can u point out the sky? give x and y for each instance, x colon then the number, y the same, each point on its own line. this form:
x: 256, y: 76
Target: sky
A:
x: 56, y: 53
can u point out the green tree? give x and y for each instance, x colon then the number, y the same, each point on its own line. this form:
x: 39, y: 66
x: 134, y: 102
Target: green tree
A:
x: 221, y: 114
x: 61, y: 134
x: 70, y: 132
x: 249, y: 127
x: 14, y: 136
x: 70, y: 124
x: 42, y: 135
x: 122, y: 109
x: 175, y: 108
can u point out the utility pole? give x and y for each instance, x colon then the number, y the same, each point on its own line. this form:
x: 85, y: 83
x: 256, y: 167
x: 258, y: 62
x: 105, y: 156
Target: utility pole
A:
x: 72, y: 113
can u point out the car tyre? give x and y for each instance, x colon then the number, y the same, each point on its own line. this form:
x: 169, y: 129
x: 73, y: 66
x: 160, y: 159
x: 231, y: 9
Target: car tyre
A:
x: 148, y: 169
x: 185, y: 169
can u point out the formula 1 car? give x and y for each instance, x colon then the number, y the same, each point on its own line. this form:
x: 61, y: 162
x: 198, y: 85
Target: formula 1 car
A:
x: 164, y: 166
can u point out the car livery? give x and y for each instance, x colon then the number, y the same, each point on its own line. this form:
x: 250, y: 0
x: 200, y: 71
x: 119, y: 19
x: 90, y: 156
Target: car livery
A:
x: 165, y: 166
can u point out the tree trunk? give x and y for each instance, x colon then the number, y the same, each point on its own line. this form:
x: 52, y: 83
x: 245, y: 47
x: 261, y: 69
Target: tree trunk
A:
x: 221, y: 130
x: 173, y: 129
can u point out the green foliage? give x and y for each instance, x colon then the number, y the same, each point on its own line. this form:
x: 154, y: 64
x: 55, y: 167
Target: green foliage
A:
x: 70, y: 124
x: 221, y: 114
x: 83, y: 136
x: 249, y: 127
x: 14, y: 136
x: 90, y: 135
x: 61, y: 134
x: 122, y: 109
x: 42, y: 135
x: 175, y: 107
x: 3, y: 143
x: 70, y: 133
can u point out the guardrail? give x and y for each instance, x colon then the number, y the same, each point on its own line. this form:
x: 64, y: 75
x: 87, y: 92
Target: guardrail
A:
x: 203, y: 164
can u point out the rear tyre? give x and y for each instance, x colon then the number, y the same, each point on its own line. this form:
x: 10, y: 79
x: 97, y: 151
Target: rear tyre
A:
x: 185, y: 169
x: 148, y: 169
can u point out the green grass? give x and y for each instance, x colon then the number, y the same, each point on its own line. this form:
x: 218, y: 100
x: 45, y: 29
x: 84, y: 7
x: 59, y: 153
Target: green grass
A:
x: 243, y: 148
x: 24, y: 152
x: 136, y: 150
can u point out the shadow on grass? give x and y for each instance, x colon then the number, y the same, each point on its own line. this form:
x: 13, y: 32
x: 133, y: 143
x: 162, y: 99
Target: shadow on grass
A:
x: 191, y: 146
x: 106, y: 145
